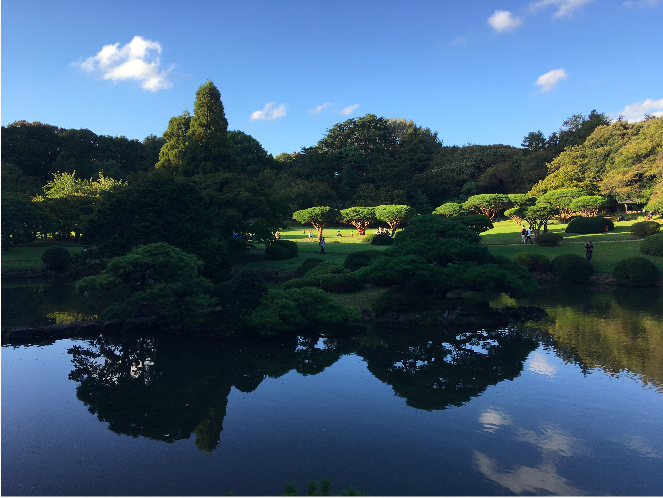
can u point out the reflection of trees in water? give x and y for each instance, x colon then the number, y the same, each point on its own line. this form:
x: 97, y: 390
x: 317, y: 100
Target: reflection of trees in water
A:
x: 168, y: 387
x: 616, y: 330
x: 30, y: 305
x: 435, y: 369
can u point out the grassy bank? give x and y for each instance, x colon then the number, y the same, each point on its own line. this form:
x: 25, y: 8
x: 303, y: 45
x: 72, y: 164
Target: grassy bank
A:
x: 28, y: 256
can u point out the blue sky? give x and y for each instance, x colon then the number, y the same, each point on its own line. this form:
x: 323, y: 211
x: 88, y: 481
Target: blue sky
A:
x: 482, y: 72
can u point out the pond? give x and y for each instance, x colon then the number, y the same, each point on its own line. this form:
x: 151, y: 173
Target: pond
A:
x: 572, y: 405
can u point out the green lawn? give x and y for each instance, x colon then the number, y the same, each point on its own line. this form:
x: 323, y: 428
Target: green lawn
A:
x: 28, y: 256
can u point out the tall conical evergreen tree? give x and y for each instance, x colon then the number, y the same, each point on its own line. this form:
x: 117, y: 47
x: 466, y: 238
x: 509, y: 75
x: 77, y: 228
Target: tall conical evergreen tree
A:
x: 170, y: 155
x: 208, y: 148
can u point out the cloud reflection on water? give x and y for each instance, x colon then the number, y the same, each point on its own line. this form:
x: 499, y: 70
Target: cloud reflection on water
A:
x: 538, y: 363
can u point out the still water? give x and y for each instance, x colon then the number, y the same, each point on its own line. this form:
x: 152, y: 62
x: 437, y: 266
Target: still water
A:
x: 571, y: 406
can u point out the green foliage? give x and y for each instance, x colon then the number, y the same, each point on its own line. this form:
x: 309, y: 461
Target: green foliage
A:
x: 312, y: 489
x: 309, y: 263
x: 620, y: 159
x: 208, y: 148
x: 158, y: 274
x: 588, y: 205
x: 534, y: 262
x: 381, y: 239
x: 359, y: 259
x: 359, y: 216
x: 548, y: 239
x: 216, y: 254
x: 572, y: 268
x: 399, y: 300
x: 394, y: 214
x: 318, y: 216
x: 287, y: 311
x: 56, y: 258
x: 368, y: 238
x: 519, y: 200
x: 636, y: 272
x: 478, y: 223
x: 252, y: 158
x: 593, y: 224
x: 652, y: 245
x: 562, y: 199
x: 434, y: 255
x: 240, y: 295
x: 281, y: 249
x: 645, y: 228
x: 329, y: 277
x: 488, y: 204
x: 449, y: 209
x: 66, y: 184
x: 170, y: 155
x: 20, y: 221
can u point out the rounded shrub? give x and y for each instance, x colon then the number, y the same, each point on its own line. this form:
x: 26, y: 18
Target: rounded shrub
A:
x: 382, y: 239
x: 572, y: 268
x: 645, y: 228
x: 339, y: 282
x: 592, y: 224
x: 548, y: 239
x: 636, y: 272
x: 308, y: 264
x: 368, y: 238
x: 397, y: 300
x: 534, y: 262
x: 281, y: 249
x: 652, y: 245
x: 359, y: 259
x: 56, y: 258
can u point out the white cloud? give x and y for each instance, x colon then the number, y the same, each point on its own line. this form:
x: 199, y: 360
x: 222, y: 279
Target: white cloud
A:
x: 636, y: 112
x: 548, y: 81
x: 347, y: 110
x: 319, y: 108
x: 503, y: 20
x: 269, y: 112
x: 493, y: 419
x: 564, y: 7
x: 538, y: 363
x: 137, y: 60
x: 641, y: 3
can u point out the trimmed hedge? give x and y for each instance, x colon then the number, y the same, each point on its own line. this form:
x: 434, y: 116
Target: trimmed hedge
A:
x: 645, y: 228
x: 652, y: 245
x: 534, y: 262
x: 329, y: 277
x: 548, y: 239
x: 359, y: 259
x: 636, y: 272
x: 592, y: 224
x: 56, y: 258
x: 281, y: 249
x: 572, y: 268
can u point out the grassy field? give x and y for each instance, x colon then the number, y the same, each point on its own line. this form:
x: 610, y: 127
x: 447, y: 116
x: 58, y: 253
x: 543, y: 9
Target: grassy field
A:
x: 609, y: 248
x: 28, y: 256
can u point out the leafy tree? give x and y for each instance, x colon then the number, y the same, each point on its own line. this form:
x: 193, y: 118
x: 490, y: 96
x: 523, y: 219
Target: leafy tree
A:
x: 208, y: 148
x: 488, y: 204
x: 252, y: 159
x: 394, y: 214
x: 66, y: 184
x: 318, y: 216
x: 562, y: 200
x: 158, y: 274
x: 449, y: 209
x: 170, y: 155
x: 359, y: 216
x: 588, y: 205
x: 536, y: 216
x: 20, y: 221
x: 31, y: 147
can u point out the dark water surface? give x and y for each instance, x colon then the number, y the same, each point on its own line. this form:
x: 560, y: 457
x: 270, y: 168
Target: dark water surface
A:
x: 571, y: 406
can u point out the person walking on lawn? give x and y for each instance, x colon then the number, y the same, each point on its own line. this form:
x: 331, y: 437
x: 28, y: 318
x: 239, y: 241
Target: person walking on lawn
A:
x: 589, y: 249
x: 529, y: 236
x: 322, y: 245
